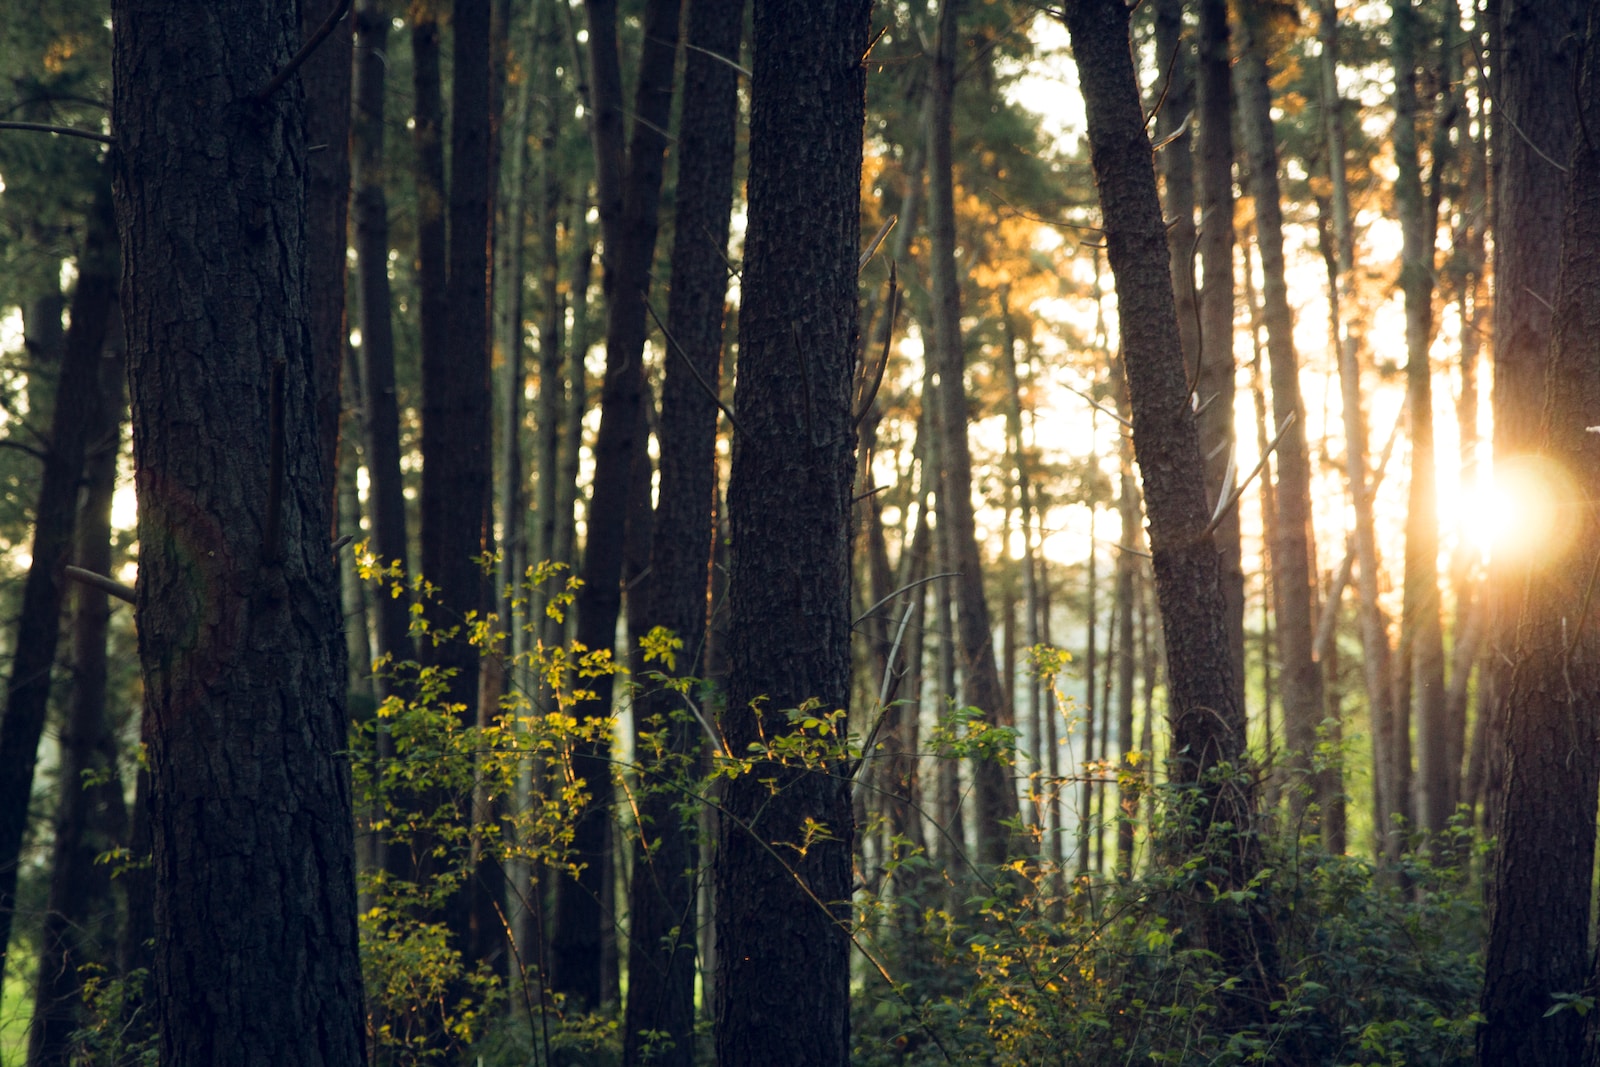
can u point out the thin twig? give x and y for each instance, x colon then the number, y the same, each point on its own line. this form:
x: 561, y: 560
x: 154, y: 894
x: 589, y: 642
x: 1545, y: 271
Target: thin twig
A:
x: 719, y: 55
x: 877, y: 240
x: 883, y: 358
x: 65, y: 131
x: 1098, y: 407
x: 109, y: 586
x: 311, y: 45
x: 1233, y: 497
x: 674, y: 346
x: 865, y: 615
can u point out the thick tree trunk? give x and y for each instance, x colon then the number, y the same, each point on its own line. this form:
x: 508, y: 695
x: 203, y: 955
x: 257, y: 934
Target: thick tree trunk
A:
x: 1208, y: 729
x: 91, y: 817
x: 783, y: 980
x: 996, y: 798
x: 661, y: 955
x: 55, y: 518
x: 629, y: 183
x: 1539, y: 928
x: 255, y: 905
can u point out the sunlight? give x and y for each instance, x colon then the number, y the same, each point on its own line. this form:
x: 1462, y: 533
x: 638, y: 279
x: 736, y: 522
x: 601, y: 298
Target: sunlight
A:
x: 1523, y: 514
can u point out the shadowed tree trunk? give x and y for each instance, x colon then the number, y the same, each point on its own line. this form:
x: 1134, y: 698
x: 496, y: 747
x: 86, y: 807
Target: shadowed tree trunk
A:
x: 1538, y: 936
x: 661, y: 953
x: 91, y: 817
x: 629, y: 183
x: 55, y: 518
x: 244, y: 675
x: 1208, y: 727
x: 783, y: 980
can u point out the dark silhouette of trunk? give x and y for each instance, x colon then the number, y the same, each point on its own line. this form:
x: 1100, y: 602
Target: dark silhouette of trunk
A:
x: 326, y: 81
x: 1091, y: 694
x: 1131, y: 512
x: 1293, y: 565
x: 661, y: 954
x: 1534, y: 45
x: 91, y: 816
x: 239, y: 634
x: 996, y: 799
x: 783, y: 957
x: 1208, y: 727
x: 629, y: 183
x: 1539, y: 927
x: 1214, y: 380
x: 55, y: 519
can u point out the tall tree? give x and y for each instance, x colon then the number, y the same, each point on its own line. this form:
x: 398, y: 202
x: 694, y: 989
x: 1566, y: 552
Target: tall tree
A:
x: 1293, y: 565
x: 662, y: 898
x: 1538, y: 937
x: 1208, y: 726
x: 996, y: 799
x: 55, y: 519
x: 90, y: 816
x: 783, y: 887
x: 628, y: 177
x: 244, y: 724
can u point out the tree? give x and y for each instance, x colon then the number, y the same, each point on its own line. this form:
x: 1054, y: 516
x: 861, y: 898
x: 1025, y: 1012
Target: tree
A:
x: 629, y: 184
x: 784, y: 841
x: 1208, y: 727
x: 243, y: 662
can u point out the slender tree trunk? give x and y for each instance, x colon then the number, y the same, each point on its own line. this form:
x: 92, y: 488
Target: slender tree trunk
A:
x: 1208, y: 727
x: 1130, y: 511
x: 996, y: 799
x: 783, y: 958
x: 256, y: 957
x: 1214, y: 380
x: 1293, y: 568
x: 55, y: 518
x: 1091, y: 672
x: 662, y: 908
x: 629, y: 181
x: 91, y: 817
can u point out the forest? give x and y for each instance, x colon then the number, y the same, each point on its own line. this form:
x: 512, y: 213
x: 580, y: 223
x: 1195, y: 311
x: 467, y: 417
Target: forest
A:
x: 799, y: 533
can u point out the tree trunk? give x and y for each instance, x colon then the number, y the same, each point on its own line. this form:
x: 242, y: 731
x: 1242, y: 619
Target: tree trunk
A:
x: 629, y: 193
x: 1208, y: 729
x: 661, y: 952
x: 91, y: 817
x: 996, y: 798
x: 1539, y: 926
x: 783, y: 980
x: 1293, y: 567
x: 1214, y: 380
x: 55, y: 518
x: 244, y: 725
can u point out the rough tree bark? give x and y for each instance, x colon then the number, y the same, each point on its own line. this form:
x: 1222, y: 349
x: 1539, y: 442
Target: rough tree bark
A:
x: 662, y: 898
x: 629, y: 184
x: 783, y: 981
x: 1208, y: 727
x: 255, y: 905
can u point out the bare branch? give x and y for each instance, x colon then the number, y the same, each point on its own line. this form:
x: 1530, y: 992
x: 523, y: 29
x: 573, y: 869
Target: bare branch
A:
x: 109, y: 586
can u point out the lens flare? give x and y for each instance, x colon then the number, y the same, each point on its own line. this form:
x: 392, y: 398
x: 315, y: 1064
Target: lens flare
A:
x: 1530, y: 514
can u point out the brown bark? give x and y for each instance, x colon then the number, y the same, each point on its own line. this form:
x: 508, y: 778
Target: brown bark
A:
x: 1539, y: 927
x: 1214, y: 380
x: 243, y: 662
x: 1293, y: 565
x: 996, y: 798
x: 783, y: 981
x: 1208, y: 726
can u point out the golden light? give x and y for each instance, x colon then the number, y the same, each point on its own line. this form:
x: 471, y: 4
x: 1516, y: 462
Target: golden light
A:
x: 1530, y: 512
